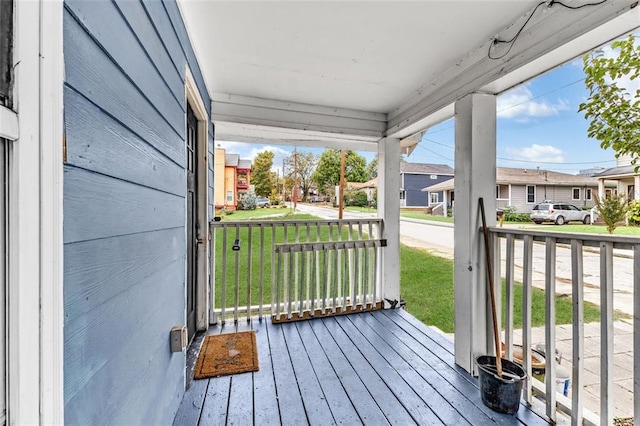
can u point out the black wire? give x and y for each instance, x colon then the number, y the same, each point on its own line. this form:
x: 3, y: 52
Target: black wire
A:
x: 513, y: 39
x: 576, y: 7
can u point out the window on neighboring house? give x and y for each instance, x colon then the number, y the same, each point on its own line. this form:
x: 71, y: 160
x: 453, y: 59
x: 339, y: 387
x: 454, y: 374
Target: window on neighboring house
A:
x: 575, y: 194
x: 229, y: 196
x: 531, y: 194
x: 607, y: 193
x: 497, y: 191
x: 434, y: 177
x: 587, y: 194
x: 434, y: 197
x: 403, y: 195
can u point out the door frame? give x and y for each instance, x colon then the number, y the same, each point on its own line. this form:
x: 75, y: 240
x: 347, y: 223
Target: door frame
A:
x: 35, y: 303
x: 193, y: 98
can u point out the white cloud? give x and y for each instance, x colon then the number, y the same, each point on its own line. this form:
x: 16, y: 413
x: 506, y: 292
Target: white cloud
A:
x: 517, y: 102
x: 249, y: 151
x: 537, y: 153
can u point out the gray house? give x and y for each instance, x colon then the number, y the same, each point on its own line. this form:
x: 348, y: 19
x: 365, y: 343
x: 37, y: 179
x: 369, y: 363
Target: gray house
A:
x: 524, y: 188
x: 415, y: 176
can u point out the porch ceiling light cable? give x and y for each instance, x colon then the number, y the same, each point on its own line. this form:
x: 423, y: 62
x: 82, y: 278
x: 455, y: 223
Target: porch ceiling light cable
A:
x: 513, y: 39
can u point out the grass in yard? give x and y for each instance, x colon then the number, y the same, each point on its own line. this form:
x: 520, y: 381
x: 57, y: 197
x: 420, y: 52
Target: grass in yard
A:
x: 360, y: 209
x: 255, y: 214
x: 424, y: 216
x: 587, y: 229
x: 426, y: 284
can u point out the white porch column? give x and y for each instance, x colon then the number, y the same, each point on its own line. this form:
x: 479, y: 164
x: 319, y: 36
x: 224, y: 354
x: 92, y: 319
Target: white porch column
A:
x: 601, y: 191
x: 475, y: 177
x: 389, y: 210
x: 636, y: 187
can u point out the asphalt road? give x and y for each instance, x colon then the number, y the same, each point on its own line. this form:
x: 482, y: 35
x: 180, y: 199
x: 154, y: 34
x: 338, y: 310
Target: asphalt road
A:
x: 438, y: 239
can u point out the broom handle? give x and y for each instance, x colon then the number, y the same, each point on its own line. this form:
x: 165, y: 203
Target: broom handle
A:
x: 490, y: 289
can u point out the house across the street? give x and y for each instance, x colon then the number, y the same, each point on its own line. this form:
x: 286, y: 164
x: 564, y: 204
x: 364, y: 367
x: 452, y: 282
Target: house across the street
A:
x: 415, y: 176
x: 522, y: 189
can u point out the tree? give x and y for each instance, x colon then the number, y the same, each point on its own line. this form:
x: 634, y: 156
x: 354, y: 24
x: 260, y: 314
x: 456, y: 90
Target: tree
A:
x: 614, y: 111
x: 302, y: 171
x: 372, y: 168
x: 262, y: 176
x: 327, y: 174
x: 611, y: 210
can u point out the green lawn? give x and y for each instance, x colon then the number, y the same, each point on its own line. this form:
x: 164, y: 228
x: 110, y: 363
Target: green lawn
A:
x: 424, y: 216
x: 587, y: 229
x: 360, y: 209
x: 426, y: 285
x: 256, y: 214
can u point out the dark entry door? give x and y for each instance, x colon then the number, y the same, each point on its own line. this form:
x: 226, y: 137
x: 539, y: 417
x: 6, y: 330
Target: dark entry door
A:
x: 192, y: 219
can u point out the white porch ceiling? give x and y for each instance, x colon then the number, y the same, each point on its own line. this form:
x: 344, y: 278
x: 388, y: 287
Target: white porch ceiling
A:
x: 342, y: 72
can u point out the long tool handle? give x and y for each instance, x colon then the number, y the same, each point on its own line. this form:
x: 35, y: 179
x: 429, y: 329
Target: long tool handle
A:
x: 490, y: 288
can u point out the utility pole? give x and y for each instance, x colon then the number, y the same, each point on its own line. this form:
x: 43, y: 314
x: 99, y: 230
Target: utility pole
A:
x: 343, y: 163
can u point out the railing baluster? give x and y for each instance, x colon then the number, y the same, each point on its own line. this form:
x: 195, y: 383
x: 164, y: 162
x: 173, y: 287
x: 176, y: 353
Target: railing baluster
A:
x: 296, y: 258
x: 273, y: 270
x: 249, y: 261
x: 508, y: 327
x: 236, y: 300
x: 527, y: 281
x: 314, y: 283
x: 260, y: 309
x: 223, y: 290
x: 279, y: 273
x: 550, y: 325
x: 636, y: 334
x: 309, y: 277
x: 578, y: 331
x: 325, y: 279
x: 606, y: 334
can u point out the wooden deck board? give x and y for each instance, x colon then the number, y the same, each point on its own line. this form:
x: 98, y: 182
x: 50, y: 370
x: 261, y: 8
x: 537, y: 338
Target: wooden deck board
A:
x: 384, y: 367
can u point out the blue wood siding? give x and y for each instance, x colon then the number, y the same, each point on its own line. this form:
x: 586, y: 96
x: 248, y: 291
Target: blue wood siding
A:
x: 125, y: 209
x: 413, y: 184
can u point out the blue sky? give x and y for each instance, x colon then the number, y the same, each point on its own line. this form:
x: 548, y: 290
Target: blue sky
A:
x: 538, y: 126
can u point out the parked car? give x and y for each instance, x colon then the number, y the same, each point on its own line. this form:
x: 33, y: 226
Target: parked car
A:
x: 559, y: 213
x: 262, y: 202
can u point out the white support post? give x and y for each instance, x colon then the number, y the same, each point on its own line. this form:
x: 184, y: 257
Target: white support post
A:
x: 601, y: 192
x: 475, y: 177
x: 35, y: 239
x: 636, y: 187
x: 389, y: 210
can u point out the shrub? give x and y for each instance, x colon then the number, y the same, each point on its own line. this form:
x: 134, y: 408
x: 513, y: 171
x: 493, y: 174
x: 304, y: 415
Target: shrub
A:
x: 356, y: 198
x: 248, y: 202
x: 512, y: 215
x: 611, y: 210
x: 634, y: 213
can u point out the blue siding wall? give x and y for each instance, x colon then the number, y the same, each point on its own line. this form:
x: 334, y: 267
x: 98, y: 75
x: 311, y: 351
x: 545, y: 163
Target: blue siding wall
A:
x: 413, y: 184
x: 124, y: 209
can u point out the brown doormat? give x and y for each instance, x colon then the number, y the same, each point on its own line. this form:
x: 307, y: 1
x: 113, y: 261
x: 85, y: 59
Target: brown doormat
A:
x: 225, y: 354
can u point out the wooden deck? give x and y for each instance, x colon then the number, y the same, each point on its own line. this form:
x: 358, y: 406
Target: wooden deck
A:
x: 376, y: 368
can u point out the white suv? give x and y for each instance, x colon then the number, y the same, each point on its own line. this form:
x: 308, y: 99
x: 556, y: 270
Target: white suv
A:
x: 559, y: 213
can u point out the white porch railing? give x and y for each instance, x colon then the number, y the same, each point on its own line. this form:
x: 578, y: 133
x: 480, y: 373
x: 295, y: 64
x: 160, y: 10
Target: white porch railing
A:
x: 604, y: 244
x: 294, y: 269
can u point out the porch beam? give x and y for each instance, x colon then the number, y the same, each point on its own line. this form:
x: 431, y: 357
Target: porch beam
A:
x: 547, y: 41
x: 292, y: 116
x: 389, y: 210
x: 475, y: 177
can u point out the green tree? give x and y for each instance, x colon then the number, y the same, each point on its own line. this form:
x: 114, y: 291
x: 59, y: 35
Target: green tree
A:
x: 327, y: 174
x: 372, y: 168
x: 261, y: 175
x: 613, y: 111
x: 302, y: 171
x: 611, y: 210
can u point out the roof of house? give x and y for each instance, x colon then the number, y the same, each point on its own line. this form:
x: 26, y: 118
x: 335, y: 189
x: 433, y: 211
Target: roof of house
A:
x: 244, y: 164
x: 505, y: 175
x: 619, y: 171
x: 427, y: 169
x: 373, y: 183
x: 231, y: 160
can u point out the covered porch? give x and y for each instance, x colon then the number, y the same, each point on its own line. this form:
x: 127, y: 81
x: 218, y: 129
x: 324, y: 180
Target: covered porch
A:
x: 375, y: 78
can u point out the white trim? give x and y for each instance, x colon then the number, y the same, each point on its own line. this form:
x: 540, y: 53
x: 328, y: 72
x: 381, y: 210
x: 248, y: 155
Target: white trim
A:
x: 9, y: 128
x: 35, y: 280
x: 193, y: 98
